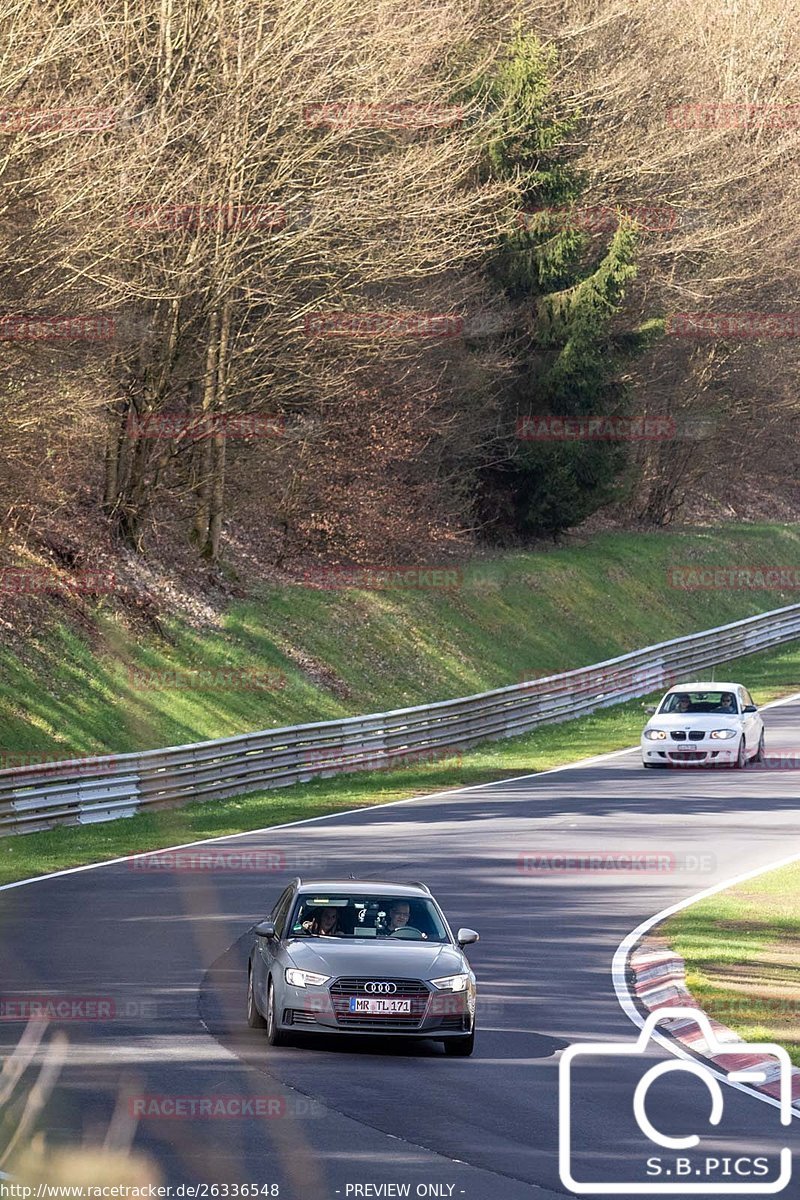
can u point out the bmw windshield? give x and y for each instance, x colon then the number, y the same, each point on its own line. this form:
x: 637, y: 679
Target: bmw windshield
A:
x: 700, y: 702
x: 404, y: 918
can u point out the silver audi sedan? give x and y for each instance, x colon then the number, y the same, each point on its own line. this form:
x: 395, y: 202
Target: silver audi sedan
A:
x: 361, y: 958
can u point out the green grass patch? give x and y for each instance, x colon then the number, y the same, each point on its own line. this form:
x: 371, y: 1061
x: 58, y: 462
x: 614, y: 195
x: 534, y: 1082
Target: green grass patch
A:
x: 742, y: 949
x: 343, y: 653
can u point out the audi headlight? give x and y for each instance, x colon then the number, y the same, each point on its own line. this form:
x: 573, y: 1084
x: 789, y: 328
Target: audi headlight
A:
x: 723, y: 733
x: 299, y: 978
x: 655, y: 735
x: 451, y: 983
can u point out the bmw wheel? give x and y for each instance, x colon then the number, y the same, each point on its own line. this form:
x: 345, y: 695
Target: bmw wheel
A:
x: 760, y: 752
x: 275, y: 1036
x: 741, y: 757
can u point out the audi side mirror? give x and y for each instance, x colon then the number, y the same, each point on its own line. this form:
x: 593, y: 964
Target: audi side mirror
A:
x: 265, y: 929
x: 465, y: 937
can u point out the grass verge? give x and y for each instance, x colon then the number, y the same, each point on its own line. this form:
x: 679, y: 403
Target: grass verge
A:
x: 742, y: 949
x: 92, y: 683
x: 768, y: 675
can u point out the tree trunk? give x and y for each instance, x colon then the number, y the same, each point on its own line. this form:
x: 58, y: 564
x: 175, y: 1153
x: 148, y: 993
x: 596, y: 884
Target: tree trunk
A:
x: 217, y: 496
x: 204, y: 463
x: 116, y: 427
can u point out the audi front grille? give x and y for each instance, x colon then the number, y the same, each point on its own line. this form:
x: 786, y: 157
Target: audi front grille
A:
x: 414, y: 989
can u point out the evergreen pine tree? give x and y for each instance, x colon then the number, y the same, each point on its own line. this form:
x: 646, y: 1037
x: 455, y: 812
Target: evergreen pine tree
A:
x: 567, y: 291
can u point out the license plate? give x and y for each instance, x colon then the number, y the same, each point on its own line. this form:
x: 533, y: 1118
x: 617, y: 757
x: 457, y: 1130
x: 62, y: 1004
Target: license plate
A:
x: 386, y: 1006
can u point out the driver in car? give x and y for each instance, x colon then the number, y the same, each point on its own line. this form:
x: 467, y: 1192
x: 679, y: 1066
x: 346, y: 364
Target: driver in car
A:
x: 398, y: 915
x: 727, y: 703
x: 397, y: 918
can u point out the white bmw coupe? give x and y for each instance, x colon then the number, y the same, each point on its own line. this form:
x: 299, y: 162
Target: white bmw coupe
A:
x: 704, y: 723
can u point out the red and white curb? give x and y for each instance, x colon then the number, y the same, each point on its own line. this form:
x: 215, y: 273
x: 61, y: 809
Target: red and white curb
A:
x: 658, y: 980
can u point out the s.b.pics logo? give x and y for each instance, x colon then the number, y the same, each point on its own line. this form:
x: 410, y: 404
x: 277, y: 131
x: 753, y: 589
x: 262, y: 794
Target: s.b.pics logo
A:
x: 633, y: 1123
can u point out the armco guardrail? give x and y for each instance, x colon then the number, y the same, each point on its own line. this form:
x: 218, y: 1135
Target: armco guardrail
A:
x: 82, y: 791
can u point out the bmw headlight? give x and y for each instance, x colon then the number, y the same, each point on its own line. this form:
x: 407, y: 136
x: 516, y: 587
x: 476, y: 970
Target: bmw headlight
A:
x: 451, y: 983
x: 655, y: 735
x: 299, y: 978
x: 723, y: 733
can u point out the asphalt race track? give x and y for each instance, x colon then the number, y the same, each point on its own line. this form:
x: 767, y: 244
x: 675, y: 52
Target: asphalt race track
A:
x: 168, y: 948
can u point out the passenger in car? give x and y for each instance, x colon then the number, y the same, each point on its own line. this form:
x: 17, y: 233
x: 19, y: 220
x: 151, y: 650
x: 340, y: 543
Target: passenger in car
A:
x: 324, y: 922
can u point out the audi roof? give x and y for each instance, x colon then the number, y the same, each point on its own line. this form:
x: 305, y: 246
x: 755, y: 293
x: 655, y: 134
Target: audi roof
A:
x: 365, y: 887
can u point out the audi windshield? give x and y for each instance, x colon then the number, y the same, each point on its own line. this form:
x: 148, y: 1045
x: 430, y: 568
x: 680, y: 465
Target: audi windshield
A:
x: 405, y: 918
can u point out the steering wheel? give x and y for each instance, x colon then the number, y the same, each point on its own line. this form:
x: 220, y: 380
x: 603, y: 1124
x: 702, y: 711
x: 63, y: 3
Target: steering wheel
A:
x: 407, y: 932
